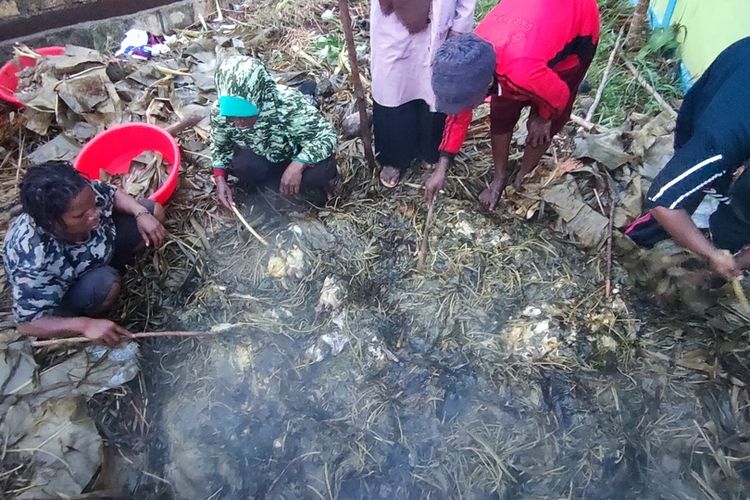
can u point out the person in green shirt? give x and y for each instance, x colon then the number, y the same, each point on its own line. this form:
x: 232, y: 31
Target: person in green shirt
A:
x: 267, y: 134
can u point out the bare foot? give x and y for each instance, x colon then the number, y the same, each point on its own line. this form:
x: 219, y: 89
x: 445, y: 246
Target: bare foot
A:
x: 489, y: 196
x: 518, y: 181
x: 389, y: 176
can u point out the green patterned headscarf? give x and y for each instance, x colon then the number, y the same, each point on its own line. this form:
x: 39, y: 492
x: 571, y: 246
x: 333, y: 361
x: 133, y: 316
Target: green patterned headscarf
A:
x: 246, y: 77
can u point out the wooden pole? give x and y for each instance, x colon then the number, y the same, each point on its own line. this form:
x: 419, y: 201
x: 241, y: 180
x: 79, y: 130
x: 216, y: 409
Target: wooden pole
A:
x: 71, y: 341
x: 364, y: 122
x: 422, y: 256
x: 605, y: 76
x: 587, y: 125
x: 610, y: 237
x: 638, y: 31
x: 651, y: 90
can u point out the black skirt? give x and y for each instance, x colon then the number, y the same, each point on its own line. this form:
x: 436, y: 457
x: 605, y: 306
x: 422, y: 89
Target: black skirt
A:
x: 407, y: 133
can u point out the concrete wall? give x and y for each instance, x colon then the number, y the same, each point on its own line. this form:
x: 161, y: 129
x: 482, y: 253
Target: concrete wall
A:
x: 15, y: 9
x: 26, y: 8
x: 106, y: 34
x: 23, y: 18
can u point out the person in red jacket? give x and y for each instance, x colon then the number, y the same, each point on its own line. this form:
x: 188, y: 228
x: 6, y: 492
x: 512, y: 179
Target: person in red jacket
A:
x: 523, y: 53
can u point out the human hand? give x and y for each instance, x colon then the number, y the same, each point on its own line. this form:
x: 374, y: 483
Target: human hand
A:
x: 152, y: 231
x: 223, y: 192
x: 539, y: 131
x: 724, y: 264
x: 292, y: 178
x: 103, y: 331
x: 434, y: 184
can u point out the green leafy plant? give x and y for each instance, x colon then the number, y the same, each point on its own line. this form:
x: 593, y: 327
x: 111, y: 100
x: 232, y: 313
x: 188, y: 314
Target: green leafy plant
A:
x: 328, y: 48
x: 663, y: 41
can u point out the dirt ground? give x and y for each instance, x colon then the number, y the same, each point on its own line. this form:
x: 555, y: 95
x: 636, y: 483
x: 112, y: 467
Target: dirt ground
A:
x: 499, y: 369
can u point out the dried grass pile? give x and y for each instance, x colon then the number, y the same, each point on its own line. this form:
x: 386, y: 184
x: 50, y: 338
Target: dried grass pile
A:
x: 499, y: 369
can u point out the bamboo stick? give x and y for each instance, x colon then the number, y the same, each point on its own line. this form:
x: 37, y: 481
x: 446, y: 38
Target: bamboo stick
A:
x: 67, y: 342
x: 248, y: 226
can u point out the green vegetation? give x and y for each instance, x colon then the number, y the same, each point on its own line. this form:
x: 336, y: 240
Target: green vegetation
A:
x: 623, y: 94
x: 483, y: 7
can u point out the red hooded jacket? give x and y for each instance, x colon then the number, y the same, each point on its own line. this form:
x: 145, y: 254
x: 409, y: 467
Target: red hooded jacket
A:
x: 535, y: 41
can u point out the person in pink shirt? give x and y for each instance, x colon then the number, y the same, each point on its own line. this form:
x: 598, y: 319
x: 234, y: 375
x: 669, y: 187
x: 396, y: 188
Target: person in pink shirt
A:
x: 404, y: 36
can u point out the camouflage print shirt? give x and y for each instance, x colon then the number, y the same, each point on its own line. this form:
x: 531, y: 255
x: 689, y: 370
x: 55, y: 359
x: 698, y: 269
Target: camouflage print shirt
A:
x: 288, y: 127
x: 41, y: 268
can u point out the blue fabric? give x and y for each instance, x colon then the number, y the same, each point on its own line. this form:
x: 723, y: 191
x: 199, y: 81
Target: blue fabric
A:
x: 237, y: 107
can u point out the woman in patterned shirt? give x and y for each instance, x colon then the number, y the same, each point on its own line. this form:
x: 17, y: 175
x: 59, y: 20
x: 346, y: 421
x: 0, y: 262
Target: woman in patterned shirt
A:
x: 64, y: 254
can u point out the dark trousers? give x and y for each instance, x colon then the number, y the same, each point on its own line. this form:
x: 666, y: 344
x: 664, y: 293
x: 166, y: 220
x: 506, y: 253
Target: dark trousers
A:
x: 255, y: 171
x: 407, y: 133
x: 87, y: 294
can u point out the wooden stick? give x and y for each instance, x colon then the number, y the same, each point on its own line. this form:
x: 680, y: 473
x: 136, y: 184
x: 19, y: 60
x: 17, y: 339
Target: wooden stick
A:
x: 185, y: 123
x: 364, y: 122
x: 587, y: 125
x: 425, y: 234
x: 67, y: 342
x: 740, y: 294
x: 248, y: 226
x: 610, y: 226
x: 605, y: 76
x: 638, y: 26
x: 22, y: 141
x: 651, y: 90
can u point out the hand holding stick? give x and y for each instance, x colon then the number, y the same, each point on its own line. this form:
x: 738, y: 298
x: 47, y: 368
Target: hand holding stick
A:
x: 71, y: 341
x: 426, y: 233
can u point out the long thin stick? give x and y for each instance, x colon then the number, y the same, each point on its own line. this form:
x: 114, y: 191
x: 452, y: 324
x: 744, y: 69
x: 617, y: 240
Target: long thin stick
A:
x: 22, y: 142
x: 186, y: 122
x: 55, y: 343
x: 608, y: 279
x: 248, y: 226
x: 605, y: 76
x: 741, y: 297
x: 364, y: 122
x: 651, y: 90
x: 587, y: 125
x: 426, y: 234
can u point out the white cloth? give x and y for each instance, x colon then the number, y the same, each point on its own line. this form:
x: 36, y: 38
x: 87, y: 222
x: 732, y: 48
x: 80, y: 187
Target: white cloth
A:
x: 400, y: 62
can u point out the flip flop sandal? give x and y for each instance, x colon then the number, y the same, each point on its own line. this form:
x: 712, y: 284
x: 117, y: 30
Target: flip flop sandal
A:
x: 389, y: 185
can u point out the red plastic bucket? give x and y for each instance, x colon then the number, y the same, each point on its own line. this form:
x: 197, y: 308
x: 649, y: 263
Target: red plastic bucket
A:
x: 9, y: 71
x: 114, y: 149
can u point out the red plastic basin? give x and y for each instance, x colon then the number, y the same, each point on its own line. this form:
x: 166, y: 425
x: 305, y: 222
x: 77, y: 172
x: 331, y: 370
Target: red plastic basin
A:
x: 114, y: 149
x: 9, y: 71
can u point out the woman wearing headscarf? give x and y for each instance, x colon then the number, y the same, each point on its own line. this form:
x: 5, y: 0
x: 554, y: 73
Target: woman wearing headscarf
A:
x: 266, y: 134
x: 404, y: 35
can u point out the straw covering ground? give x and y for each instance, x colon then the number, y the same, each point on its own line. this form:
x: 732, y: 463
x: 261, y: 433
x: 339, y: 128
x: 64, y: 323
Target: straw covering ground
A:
x: 499, y: 369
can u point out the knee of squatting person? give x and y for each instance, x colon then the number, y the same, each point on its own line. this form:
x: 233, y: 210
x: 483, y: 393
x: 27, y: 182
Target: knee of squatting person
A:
x: 65, y: 252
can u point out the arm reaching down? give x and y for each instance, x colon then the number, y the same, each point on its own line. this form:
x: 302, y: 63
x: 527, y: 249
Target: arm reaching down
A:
x: 684, y: 232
